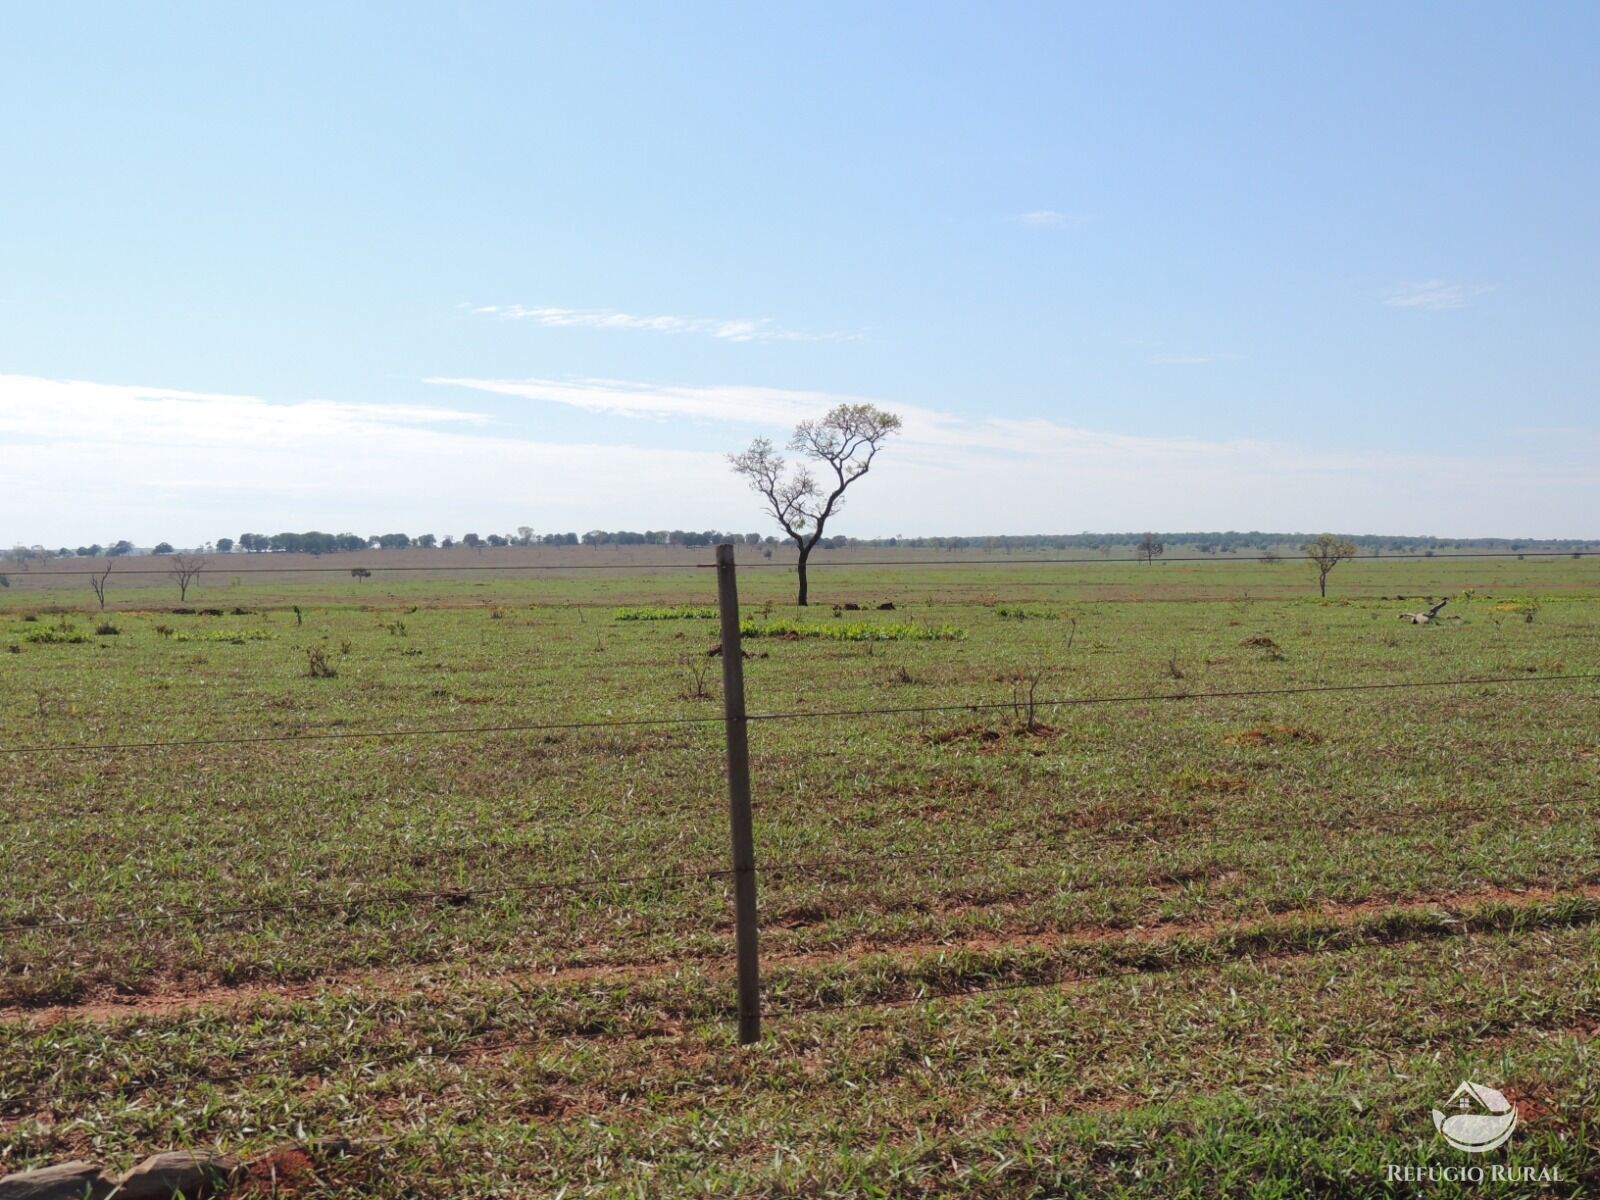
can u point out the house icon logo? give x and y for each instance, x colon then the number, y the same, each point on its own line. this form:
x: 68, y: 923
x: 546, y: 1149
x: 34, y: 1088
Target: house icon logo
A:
x: 1483, y: 1119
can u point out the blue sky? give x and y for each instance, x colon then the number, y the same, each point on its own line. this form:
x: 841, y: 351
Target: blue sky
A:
x: 470, y: 267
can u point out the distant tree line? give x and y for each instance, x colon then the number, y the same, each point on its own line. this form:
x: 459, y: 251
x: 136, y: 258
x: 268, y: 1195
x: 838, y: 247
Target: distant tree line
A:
x: 1252, y: 543
x: 314, y: 542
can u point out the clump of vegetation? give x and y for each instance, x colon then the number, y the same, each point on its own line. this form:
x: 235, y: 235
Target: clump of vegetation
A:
x: 317, y: 664
x: 164, y: 630
x: 106, y: 629
x: 1022, y: 612
x: 859, y: 631
x: 397, y: 628
x: 681, y: 612
x: 62, y: 633
x: 231, y: 637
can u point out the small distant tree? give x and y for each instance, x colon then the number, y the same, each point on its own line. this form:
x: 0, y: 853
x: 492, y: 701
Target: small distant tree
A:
x: 185, y: 569
x: 160, y: 548
x: 842, y: 444
x: 360, y: 573
x: 224, y: 545
x: 118, y: 549
x: 98, y: 582
x: 1149, y: 548
x: 1326, y: 552
x: 524, y: 535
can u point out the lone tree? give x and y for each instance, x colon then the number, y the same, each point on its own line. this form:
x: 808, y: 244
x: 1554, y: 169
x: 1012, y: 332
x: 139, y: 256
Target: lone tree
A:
x: 185, y: 570
x: 842, y: 444
x: 98, y: 582
x: 1149, y: 548
x: 1326, y: 553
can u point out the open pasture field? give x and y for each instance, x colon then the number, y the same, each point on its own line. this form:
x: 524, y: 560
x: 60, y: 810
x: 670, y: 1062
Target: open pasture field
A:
x: 1155, y: 942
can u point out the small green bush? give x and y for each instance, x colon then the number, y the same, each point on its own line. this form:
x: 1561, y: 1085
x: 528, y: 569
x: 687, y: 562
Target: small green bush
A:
x: 1019, y: 612
x: 236, y: 637
x: 56, y: 635
x: 681, y: 612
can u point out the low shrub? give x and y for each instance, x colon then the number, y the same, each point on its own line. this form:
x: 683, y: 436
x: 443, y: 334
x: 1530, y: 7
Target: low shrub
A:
x: 681, y: 612
x: 60, y: 634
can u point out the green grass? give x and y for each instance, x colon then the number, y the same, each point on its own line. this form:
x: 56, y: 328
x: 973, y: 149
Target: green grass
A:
x: 1288, y: 924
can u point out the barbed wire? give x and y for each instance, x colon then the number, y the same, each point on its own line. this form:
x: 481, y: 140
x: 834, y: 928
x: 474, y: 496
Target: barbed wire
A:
x: 1013, y: 705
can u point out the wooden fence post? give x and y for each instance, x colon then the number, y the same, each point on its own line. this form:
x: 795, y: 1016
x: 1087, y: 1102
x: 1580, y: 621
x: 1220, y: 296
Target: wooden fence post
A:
x: 739, y: 821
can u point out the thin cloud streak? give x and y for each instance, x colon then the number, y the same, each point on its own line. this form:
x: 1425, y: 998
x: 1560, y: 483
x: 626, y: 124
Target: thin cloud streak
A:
x: 735, y: 329
x: 1436, y: 294
x: 1049, y: 218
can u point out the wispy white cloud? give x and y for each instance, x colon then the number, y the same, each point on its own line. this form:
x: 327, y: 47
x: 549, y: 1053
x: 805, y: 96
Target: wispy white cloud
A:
x: 967, y: 475
x: 89, y: 461
x: 1435, y: 293
x: 1050, y: 218
x: 728, y: 329
x: 739, y: 405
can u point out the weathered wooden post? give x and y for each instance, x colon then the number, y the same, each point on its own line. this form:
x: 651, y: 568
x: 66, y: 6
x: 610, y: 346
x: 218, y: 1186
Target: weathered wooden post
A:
x: 739, y: 821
